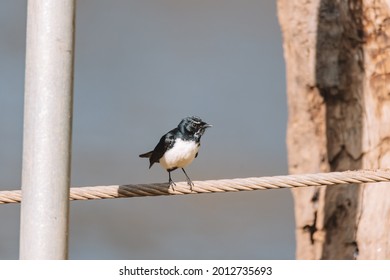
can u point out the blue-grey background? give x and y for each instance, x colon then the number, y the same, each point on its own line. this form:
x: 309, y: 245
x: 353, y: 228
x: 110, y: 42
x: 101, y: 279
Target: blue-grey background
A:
x: 140, y: 67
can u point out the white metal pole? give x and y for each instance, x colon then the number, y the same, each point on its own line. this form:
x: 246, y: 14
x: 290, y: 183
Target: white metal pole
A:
x: 47, y: 129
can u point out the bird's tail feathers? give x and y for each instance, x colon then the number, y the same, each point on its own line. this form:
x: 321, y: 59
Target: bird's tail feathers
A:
x: 146, y: 155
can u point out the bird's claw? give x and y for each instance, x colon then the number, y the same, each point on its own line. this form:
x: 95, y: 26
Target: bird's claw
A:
x: 190, y: 183
x: 172, y: 184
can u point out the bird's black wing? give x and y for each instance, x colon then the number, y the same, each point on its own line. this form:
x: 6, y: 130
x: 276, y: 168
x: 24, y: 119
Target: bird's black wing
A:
x: 166, y: 142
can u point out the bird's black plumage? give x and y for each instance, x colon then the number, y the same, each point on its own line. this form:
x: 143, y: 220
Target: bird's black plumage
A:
x: 178, y: 147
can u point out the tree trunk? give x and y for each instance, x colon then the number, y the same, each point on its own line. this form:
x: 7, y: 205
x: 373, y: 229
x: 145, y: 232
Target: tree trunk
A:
x: 338, y: 93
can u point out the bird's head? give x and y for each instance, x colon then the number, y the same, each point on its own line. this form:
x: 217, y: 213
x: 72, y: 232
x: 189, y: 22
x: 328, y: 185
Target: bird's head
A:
x: 193, y: 126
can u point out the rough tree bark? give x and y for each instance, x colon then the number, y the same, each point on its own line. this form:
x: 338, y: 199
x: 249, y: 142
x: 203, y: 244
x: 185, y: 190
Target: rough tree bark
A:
x: 337, y: 55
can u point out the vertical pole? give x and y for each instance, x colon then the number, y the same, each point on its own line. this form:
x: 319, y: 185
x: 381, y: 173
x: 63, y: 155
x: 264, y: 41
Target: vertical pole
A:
x: 47, y: 129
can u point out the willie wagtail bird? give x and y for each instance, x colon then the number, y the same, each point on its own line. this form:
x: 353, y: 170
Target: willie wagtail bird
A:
x: 178, y: 147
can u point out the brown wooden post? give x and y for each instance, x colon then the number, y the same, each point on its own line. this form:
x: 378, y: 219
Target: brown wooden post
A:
x: 338, y: 93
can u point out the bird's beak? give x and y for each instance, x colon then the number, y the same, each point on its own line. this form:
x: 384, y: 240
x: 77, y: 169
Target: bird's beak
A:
x: 206, y: 125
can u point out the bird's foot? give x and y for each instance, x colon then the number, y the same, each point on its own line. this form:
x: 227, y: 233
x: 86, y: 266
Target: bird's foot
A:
x: 172, y: 184
x: 190, y: 183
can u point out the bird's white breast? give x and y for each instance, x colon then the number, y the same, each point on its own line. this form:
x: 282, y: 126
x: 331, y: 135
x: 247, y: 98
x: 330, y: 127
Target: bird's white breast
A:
x: 180, y: 155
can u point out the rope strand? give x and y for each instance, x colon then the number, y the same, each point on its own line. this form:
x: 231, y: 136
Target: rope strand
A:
x: 213, y: 186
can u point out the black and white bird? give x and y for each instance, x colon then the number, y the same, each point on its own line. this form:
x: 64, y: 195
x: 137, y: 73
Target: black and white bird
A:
x: 179, y: 147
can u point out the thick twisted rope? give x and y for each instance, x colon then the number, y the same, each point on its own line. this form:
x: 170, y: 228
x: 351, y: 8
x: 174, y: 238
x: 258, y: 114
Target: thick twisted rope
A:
x: 213, y: 186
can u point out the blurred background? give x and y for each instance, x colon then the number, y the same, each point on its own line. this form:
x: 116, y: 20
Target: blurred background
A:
x: 140, y: 67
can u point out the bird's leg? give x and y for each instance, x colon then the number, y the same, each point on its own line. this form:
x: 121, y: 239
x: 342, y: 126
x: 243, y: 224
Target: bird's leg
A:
x: 189, y: 182
x: 171, y: 183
